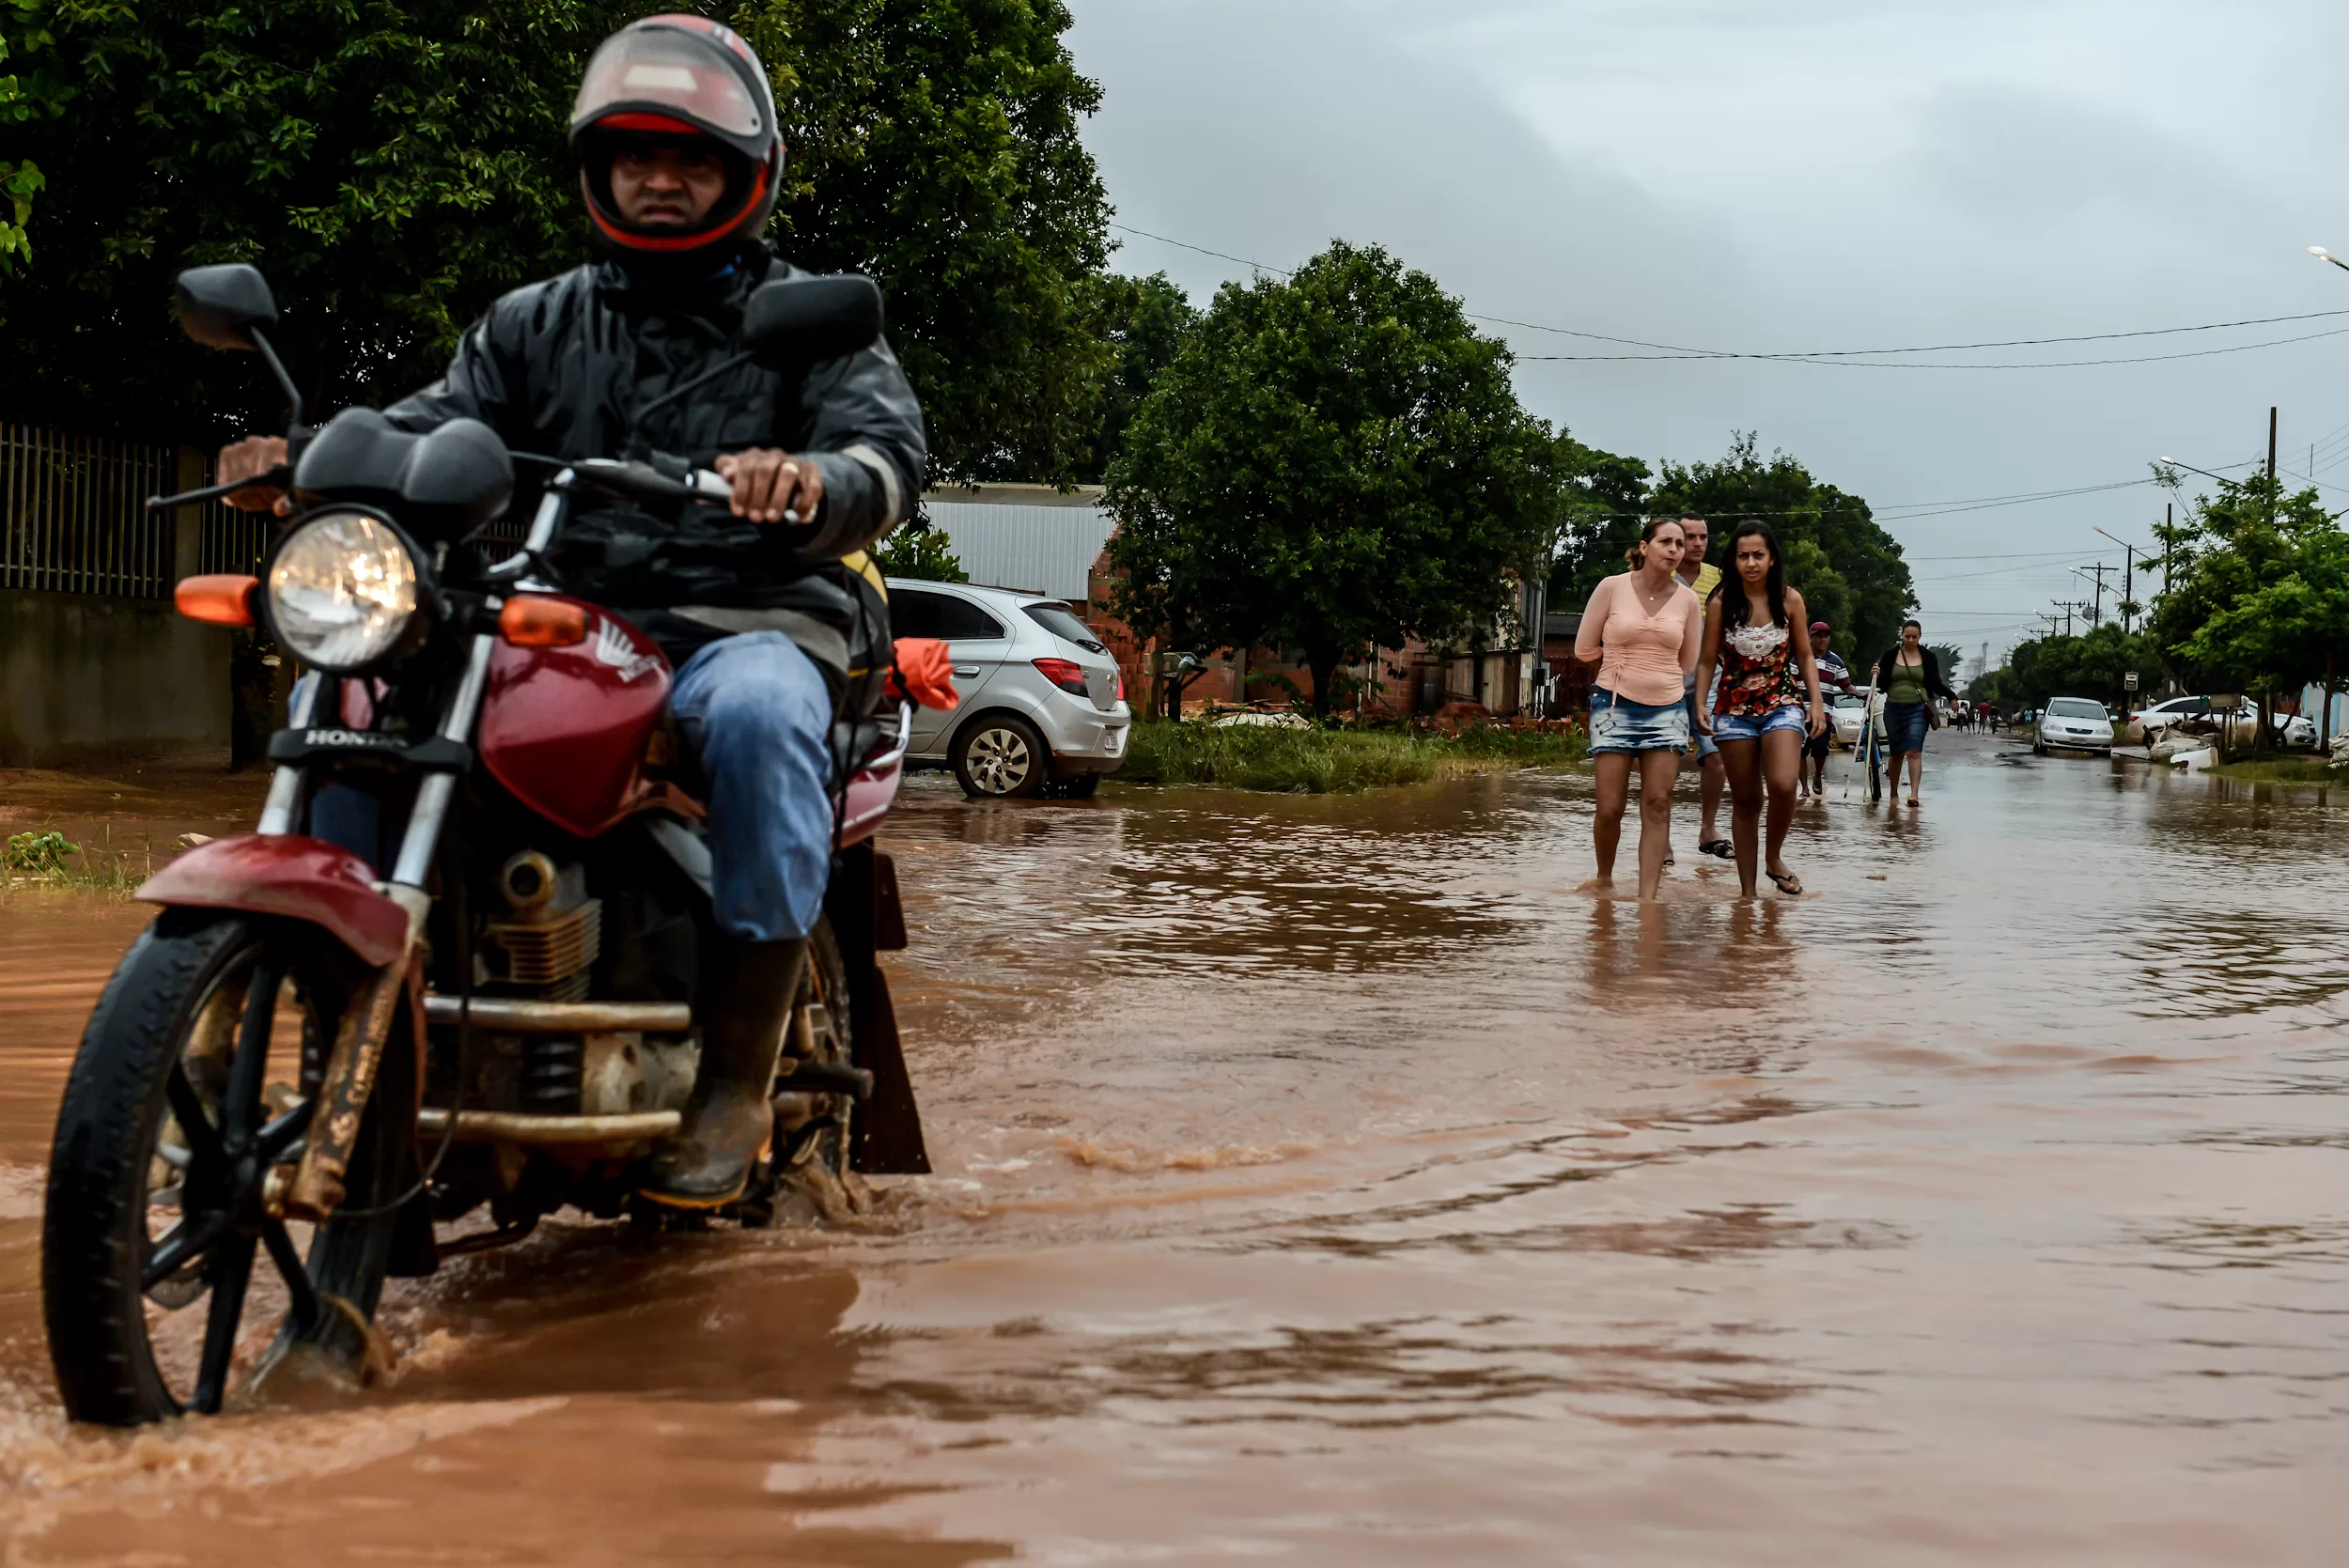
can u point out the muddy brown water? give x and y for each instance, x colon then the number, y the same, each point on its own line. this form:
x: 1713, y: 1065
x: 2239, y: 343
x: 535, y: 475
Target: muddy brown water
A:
x: 1331, y: 1181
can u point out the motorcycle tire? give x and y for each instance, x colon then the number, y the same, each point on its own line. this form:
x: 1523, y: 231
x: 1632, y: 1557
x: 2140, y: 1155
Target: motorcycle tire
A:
x: 173, y: 1035
x: 998, y: 756
x: 812, y: 1156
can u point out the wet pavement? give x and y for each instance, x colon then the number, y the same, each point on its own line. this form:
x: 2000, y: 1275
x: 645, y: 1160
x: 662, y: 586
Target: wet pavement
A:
x: 1329, y: 1180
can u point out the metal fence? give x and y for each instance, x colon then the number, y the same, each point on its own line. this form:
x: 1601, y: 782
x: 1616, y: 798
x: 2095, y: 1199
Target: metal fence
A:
x: 73, y: 517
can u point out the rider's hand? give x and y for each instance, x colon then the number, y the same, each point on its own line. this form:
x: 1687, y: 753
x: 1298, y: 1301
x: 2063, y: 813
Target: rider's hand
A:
x: 768, y: 484
x: 246, y: 458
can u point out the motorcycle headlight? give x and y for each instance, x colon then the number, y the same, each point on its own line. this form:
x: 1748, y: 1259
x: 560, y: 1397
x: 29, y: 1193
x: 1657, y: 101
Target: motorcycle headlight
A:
x: 342, y: 591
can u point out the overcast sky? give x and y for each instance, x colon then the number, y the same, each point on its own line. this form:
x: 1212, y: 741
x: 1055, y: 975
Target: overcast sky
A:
x: 1795, y: 176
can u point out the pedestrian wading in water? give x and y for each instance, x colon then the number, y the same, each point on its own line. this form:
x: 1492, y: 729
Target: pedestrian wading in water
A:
x: 1910, y: 677
x: 1641, y: 629
x: 1764, y: 704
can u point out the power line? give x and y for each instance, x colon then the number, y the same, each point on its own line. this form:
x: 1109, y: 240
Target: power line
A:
x: 1952, y: 364
x: 1676, y: 351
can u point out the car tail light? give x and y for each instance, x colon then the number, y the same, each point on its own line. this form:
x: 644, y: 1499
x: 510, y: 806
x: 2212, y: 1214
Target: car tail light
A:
x: 1121, y: 683
x: 1067, y: 674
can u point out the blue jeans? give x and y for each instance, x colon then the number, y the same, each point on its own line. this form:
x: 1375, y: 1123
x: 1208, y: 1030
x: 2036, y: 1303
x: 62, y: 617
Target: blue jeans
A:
x: 757, y: 711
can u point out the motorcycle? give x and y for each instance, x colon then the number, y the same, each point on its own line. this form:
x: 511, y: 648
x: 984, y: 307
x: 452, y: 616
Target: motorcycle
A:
x: 491, y: 1007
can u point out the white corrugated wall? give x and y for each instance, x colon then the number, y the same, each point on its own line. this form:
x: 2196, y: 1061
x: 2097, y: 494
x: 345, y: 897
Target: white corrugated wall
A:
x: 1045, y: 550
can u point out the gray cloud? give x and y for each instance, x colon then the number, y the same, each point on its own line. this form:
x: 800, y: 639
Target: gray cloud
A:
x: 1802, y: 174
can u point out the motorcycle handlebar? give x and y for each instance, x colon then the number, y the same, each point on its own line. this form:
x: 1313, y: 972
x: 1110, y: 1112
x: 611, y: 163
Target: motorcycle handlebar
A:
x: 644, y: 482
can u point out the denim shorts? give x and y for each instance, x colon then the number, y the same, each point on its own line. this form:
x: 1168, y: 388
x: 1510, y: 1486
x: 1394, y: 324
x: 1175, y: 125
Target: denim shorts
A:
x: 1617, y: 725
x: 1745, y: 726
x: 1904, y: 727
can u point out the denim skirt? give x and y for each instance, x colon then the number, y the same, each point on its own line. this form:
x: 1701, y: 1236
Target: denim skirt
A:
x: 1619, y: 725
x: 1904, y: 727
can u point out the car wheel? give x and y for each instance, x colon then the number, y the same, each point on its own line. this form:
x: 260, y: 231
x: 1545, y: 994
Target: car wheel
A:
x: 1001, y: 757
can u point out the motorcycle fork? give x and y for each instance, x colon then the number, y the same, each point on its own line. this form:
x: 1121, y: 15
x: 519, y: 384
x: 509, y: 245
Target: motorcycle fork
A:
x: 366, y: 1027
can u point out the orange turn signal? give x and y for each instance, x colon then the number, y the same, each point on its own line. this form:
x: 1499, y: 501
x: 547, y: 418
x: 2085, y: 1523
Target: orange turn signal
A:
x: 223, y: 598
x: 542, y: 623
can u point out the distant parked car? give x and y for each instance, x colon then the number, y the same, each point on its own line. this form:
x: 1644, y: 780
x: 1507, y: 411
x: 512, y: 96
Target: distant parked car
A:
x: 2074, y: 723
x: 1043, y: 707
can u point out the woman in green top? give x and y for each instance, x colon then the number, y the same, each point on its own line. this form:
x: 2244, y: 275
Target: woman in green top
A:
x: 1910, y: 677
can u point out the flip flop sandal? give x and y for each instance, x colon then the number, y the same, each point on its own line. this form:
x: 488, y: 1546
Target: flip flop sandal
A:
x: 1720, y: 848
x: 1790, y: 884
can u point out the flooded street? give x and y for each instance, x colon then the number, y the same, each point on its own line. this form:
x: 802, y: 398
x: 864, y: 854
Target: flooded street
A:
x: 1329, y: 1180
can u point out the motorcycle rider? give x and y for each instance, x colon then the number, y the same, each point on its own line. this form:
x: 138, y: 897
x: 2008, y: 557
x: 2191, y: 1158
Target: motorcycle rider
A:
x: 680, y: 155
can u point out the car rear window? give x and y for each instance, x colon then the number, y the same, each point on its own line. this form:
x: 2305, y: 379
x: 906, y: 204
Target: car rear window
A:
x: 917, y: 612
x: 2074, y: 707
x: 1056, y: 619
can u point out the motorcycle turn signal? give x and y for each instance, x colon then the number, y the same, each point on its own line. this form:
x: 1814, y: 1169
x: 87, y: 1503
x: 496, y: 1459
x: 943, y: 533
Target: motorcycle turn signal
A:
x: 542, y: 623
x: 220, y: 598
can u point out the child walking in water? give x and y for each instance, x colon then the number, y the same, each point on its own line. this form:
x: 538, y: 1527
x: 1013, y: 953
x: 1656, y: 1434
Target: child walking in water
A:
x: 1767, y: 704
x: 1641, y: 629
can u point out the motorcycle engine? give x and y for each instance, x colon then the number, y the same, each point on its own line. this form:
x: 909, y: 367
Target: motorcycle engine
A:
x: 552, y: 932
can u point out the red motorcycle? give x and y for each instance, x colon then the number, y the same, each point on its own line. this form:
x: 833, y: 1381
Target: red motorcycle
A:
x: 453, y: 966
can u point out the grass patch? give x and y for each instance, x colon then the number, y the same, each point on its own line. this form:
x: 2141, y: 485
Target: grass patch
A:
x: 1336, y: 761
x: 2294, y: 770
x: 50, y: 860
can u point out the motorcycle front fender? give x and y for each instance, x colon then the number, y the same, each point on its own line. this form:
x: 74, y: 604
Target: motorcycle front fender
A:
x: 293, y: 877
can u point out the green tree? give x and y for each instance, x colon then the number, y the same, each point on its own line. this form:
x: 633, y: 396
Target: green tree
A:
x: 1605, y: 499
x: 35, y: 90
x: 395, y: 165
x: 2091, y: 665
x: 1782, y: 493
x: 1333, y: 463
x: 2258, y: 595
x: 920, y: 550
x: 1144, y: 320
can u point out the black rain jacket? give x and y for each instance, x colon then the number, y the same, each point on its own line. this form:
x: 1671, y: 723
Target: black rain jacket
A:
x: 560, y: 368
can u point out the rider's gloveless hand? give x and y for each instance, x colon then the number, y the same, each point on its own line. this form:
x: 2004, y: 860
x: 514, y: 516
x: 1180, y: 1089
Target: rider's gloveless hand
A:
x: 769, y: 484
x: 246, y: 460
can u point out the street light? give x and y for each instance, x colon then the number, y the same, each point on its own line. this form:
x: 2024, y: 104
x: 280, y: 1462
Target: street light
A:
x: 2172, y: 462
x: 2323, y: 255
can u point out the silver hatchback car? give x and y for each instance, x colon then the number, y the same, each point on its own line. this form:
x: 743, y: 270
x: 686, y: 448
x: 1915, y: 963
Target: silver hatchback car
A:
x: 1043, y: 705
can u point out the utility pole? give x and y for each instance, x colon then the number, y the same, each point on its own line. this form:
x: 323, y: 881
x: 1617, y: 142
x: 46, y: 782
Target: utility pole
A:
x: 2271, y: 445
x: 2168, y: 522
x: 2096, y: 615
x: 2128, y: 585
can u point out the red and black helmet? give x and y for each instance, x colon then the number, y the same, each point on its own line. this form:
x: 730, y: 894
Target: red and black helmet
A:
x: 670, y: 78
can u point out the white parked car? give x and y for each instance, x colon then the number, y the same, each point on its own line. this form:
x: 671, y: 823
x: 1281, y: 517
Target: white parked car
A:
x: 2294, y: 730
x: 1846, y: 713
x: 2074, y: 723
x: 1042, y: 705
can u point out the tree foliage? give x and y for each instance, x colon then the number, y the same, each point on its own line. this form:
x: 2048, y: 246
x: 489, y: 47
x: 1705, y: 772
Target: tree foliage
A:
x: 919, y: 550
x: 395, y: 165
x: 1333, y: 463
x: 1869, y: 575
x: 2093, y: 664
x: 1605, y: 499
x: 1144, y: 321
x: 2258, y: 595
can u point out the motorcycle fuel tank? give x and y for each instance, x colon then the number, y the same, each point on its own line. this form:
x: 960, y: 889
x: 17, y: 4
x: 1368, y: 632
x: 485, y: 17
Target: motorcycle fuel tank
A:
x: 565, y: 729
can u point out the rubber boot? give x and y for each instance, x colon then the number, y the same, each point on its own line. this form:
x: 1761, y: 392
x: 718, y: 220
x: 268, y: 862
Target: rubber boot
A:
x: 743, y: 1001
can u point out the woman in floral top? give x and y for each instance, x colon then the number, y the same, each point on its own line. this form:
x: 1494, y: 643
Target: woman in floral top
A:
x: 1767, y: 699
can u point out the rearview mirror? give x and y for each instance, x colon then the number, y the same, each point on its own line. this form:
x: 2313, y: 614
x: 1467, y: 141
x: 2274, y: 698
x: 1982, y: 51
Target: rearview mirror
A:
x: 808, y: 320
x: 221, y: 306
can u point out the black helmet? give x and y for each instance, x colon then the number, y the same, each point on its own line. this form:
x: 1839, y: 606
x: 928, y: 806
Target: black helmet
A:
x: 670, y: 78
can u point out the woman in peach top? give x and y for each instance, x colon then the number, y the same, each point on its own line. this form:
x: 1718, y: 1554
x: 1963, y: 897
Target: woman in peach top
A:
x: 1642, y: 629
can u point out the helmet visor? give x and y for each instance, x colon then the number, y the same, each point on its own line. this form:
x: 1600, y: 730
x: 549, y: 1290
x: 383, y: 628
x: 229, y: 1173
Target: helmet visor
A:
x: 657, y: 68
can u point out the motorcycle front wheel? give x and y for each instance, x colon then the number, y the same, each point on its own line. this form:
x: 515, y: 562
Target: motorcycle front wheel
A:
x: 193, y: 1081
